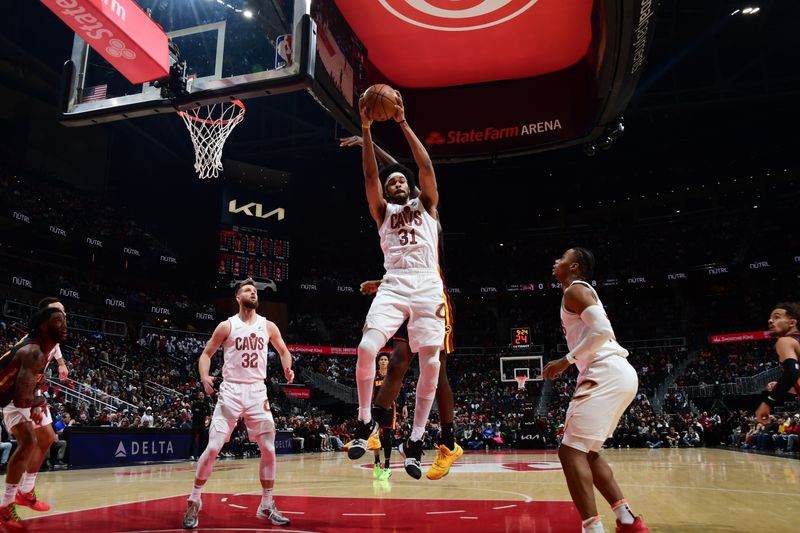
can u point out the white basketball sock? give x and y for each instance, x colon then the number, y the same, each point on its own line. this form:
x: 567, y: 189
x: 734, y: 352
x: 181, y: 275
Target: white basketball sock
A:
x: 266, y: 498
x: 623, y: 512
x: 592, y: 525
x: 197, y: 490
x: 29, y: 483
x: 9, y: 495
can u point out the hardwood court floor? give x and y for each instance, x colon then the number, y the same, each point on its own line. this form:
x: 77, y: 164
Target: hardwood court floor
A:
x: 676, y: 490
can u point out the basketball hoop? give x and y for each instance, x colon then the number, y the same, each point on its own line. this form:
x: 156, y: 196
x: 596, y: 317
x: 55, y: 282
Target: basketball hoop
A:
x: 521, y: 380
x: 209, y: 127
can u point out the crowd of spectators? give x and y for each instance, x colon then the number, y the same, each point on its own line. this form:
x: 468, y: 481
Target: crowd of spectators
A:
x: 723, y: 363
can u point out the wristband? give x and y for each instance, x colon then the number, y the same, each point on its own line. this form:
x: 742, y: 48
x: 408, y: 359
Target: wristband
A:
x: 570, y: 359
x: 767, y: 399
x: 400, y: 122
x: 365, y: 126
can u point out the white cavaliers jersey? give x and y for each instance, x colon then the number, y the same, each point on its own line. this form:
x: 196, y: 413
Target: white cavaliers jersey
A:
x: 409, y: 237
x: 575, y: 330
x: 245, y: 351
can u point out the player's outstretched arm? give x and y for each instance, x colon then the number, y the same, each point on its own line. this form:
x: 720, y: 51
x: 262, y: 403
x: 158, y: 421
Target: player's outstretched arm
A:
x: 429, y: 191
x: 286, y: 357
x: 384, y: 158
x: 32, y: 362
x: 372, y: 181
x: 787, y: 356
x: 221, y: 333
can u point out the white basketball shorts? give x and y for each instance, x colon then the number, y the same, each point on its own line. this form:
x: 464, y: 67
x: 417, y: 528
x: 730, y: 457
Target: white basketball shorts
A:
x: 413, y: 294
x: 248, y: 400
x: 600, y: 398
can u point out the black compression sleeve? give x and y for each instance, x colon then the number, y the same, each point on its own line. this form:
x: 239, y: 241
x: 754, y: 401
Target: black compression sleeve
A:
x: 788, y: 379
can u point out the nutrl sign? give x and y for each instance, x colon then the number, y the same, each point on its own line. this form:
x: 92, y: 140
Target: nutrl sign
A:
x: 119, y: 31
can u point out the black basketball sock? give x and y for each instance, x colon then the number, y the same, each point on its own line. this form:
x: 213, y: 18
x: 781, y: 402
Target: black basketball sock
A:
x: 447, y: 436
x: 382, y: 416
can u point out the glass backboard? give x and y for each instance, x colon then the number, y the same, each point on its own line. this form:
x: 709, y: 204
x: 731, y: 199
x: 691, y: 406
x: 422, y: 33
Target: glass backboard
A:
x: 232, y: 48
x: 529, y: 365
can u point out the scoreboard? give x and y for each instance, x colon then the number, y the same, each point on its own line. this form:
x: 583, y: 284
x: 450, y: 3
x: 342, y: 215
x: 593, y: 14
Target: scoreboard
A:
x: 249, y: 252
x: 521, y: 338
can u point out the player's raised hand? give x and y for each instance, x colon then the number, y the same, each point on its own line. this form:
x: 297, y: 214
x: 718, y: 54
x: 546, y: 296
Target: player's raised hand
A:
x: 399, y: 110
x: 289, y: 374
x: 355, y: 140
x: 208, y: 384
x: 554, y: 368
x: 366, y: 119
x: 368, y: 288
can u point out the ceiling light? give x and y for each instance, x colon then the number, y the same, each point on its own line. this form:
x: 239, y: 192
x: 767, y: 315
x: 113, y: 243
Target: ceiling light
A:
x: 248, y: 14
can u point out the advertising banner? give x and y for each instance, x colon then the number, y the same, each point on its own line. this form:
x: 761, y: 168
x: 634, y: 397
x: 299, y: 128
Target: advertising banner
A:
x: 740, y: 337
x: 89, y: 447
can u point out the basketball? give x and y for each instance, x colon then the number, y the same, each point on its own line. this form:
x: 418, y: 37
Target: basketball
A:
x: 380, y: 101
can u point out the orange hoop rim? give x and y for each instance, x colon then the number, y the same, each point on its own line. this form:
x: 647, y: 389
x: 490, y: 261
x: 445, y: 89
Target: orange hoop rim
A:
x: 237, y: 118
x: 521, y: 381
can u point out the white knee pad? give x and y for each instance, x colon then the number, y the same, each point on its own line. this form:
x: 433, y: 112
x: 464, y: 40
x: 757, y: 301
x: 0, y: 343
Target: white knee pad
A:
x: 371, y: 342
x: 216, y: 440
x: 266, y: 467
x: 428, y: 372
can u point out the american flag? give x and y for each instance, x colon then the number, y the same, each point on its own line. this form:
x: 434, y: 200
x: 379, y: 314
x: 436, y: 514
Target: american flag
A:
x: 92, y: 94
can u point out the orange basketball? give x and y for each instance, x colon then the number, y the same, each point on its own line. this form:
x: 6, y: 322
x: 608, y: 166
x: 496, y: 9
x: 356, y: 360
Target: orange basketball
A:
x: 380, y: 101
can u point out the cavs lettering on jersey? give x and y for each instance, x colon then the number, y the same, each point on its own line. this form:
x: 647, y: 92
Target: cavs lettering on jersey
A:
x: 9, y: 369
x: 245, y: 351
x: 409, y: 237
x: 575, y: 331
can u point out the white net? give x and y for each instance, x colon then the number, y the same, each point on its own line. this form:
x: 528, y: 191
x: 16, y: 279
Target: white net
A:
x: 521, y: 381
x: 209, y: 127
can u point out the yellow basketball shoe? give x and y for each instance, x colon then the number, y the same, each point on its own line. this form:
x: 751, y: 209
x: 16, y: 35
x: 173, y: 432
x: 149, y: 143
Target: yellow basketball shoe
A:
x: 444, y: 460
x: 374, y: 442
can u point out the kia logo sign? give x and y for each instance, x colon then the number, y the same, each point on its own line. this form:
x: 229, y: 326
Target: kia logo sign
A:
x: 254, y: 209
x: 453, y: 17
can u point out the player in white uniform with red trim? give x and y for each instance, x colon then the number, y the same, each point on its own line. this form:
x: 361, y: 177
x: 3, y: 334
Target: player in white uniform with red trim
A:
x: 607, y: 384
x: 412, y: 288
x: 242, y: 393
x: 42, y: 428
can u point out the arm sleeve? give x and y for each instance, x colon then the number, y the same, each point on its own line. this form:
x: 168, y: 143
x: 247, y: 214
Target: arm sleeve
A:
x: 57, y: 353
x: 600, y: 332
x: 789, y: 378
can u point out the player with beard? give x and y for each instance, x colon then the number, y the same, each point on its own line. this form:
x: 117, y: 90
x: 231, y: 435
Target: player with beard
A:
x: 391, y: 385
x: 21, y: 372
x: 412, y: 288
x: 45, y: 435
x: 783, y: 327
x: 244, y: 338
x: 606, y: 385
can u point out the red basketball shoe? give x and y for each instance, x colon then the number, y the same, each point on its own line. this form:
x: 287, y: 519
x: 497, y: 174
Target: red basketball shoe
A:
x: 30, y: 500
x: 638, y: 526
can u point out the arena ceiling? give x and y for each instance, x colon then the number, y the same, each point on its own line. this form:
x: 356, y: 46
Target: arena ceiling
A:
x: 441, y: 43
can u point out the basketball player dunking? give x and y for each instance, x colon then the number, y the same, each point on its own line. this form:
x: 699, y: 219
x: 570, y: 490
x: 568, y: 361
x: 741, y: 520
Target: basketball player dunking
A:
x: 242, y: 393
x: 412, y: 288
x: 449, y: 451
x: 606, y: 385
x: 21, y: 372
x: 783, y: 326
